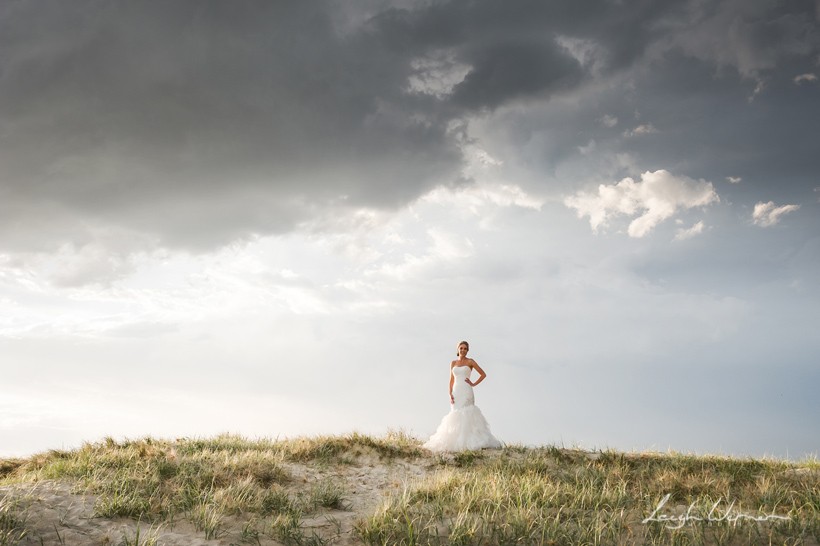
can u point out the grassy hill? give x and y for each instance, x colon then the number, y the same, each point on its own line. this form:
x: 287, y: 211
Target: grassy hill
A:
x: 357, y: 489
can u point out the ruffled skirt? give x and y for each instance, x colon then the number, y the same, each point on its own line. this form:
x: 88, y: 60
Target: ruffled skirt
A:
x: 462, y: 429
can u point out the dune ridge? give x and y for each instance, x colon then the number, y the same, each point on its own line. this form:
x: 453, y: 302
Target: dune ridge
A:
x: 360, y: 489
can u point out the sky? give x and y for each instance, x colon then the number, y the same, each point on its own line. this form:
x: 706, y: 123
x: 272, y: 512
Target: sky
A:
x: 279, y: 219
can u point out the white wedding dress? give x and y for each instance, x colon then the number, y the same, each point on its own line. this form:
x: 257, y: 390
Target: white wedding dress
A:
x: 464, y: 427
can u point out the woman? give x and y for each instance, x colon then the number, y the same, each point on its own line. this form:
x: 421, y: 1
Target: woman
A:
x: 464, y: 427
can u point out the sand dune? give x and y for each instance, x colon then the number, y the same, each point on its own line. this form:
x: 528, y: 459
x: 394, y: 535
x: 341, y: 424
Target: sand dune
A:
x: 57, y: 514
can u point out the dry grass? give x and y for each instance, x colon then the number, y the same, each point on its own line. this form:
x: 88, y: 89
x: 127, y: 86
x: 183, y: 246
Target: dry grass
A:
x: 12, y: 524
x: 553, y: 496
x: 209, y: 483
x: 511, y: 496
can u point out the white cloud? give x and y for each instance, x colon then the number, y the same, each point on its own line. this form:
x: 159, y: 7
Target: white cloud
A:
x: 768, y: 214
x: 734, y: 179
x: 589, y: 149
x: 657, y: 197
x: 588, y: 53
x: 761, y: 85
x: 805, y: 78
x: 608, y: 121
x: 443, y: 248
x: 436, y: 75
x: 643, y: 129
x: 683, y: 234
x: 478, y: 196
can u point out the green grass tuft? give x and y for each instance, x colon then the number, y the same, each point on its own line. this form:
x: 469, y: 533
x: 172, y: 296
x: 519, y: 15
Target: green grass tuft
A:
x: 12, y: 522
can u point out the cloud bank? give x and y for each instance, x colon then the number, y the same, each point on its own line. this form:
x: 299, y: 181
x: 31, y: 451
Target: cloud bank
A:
x: 127, y: 128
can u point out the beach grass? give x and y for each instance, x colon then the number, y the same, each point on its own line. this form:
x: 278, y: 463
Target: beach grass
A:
x: 554, y: 496
x: 12, y: 522
x: 260, y: 490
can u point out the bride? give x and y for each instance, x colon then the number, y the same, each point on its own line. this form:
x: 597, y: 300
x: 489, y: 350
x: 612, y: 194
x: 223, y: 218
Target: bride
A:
x: 464, y: 427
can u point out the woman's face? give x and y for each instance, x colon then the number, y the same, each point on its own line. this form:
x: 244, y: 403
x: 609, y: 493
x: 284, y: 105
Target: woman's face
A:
x: 462, y: 349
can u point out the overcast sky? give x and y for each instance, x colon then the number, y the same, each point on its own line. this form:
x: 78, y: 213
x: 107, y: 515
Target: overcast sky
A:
x: 279, y: 218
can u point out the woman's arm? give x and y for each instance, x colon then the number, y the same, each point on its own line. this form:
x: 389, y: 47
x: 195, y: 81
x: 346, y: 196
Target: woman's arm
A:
x: 481, y: 374
x: 452, y: 379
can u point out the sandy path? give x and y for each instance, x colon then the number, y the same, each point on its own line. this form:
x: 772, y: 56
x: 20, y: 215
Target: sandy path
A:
x: 56, y: 514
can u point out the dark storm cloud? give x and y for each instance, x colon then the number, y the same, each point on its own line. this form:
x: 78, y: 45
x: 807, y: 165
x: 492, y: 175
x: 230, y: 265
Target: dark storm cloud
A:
x: 723, y: 100
x: 201, y: 121
x: 512, y: 70
x: 750, y: 36
x: 198, y: 123
x: 713, y: 92
x: 709, y: 127
x: 514, y: 48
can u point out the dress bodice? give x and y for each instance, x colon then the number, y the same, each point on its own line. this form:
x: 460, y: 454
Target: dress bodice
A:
x: 462, y: 391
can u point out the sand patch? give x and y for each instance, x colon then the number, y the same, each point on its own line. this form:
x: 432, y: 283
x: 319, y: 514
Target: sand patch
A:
x: 58, y: 512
